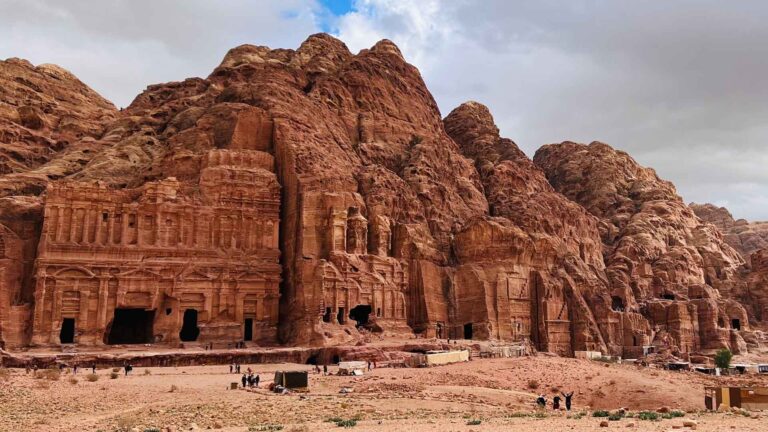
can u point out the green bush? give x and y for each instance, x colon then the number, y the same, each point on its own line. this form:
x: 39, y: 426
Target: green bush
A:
x: 677, y: 413
x: 600, y: 413
x: 347, y: 423
x: 474, y: 422
x: 334, y: 419
x: 614, y: 417
x: 723, y: 358
x: 647, y: 415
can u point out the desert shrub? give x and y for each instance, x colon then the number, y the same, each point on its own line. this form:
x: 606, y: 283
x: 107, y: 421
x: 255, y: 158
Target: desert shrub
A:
x: 614, y: 417
x: 723, y: 358
x: 647, y: 415
x: 73, y: 380
x: 126, y: 423
x: 347, y: 423
x: 600, y: 413
x: 49, y: 374
x: 474, y: 422
x: 540, y: 414
x: 577, y: 416
x: 519, y: 415
x: 113, y: 375
x: 5, y: 374
x: 334, y: 419
x: 92, y: 377
x: 677, y: 413
x: 266, y: 428
x: 533, y: 384
x: 115, y: 369
x: 147, y: 372
x: 174, y: 388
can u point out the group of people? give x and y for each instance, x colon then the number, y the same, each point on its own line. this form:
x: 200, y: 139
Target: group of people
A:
x: 234, y: 368
x: 541, y: 401
x: 250, y: 379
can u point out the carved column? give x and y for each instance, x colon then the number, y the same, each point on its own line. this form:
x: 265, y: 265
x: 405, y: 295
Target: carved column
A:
x: 40, y: 333
x: 59, y: 222
x: 101, y: 320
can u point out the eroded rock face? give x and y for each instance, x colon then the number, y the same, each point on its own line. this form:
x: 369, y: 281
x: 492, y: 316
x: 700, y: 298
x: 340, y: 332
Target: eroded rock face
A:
x: 746, y: 237
x: 661, y: 260
x: 297, y: 196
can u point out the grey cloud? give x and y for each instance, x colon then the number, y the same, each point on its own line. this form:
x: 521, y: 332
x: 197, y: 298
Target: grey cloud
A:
x: 681, y: 85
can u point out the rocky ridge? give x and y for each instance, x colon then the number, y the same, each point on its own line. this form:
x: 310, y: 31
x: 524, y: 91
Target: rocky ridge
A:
x: 744, y: 236
x: 391, y: 217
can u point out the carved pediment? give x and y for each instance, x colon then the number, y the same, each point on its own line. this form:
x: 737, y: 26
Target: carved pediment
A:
x: 139, y: 274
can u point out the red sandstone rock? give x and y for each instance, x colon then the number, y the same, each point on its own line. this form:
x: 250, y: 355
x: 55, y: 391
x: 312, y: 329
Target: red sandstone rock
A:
x: 746, y: 237
x: 661, y: 260
x: 328, y: 184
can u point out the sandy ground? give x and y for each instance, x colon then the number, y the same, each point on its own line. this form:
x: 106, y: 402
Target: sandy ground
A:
x: 497, y: 392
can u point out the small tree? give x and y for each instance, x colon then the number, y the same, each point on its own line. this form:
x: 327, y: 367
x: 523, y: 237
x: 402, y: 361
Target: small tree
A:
x: 723, y: 358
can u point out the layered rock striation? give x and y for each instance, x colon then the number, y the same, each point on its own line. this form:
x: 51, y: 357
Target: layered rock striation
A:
x: 310, y: 196
x: 744, y: 236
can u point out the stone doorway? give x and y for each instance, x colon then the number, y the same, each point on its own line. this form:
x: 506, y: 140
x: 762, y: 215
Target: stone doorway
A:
x: 189, y: 330
x: 67, y: 334
x: 327, y: 315
x: 736, y: 324
x: 340, y: 318
x: 468, y: 331
x: 248, y: 333
x: 131, y: 326
x: 360, y: 314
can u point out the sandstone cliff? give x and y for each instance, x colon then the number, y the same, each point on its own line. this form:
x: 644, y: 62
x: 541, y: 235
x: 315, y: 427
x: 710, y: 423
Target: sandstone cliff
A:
x: 661, y: 260
x: 312, y: 196
x: 746, y: 237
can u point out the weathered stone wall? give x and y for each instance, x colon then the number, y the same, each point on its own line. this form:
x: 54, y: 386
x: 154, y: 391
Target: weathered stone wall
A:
x: 314, y: 195
x: 166, y: 250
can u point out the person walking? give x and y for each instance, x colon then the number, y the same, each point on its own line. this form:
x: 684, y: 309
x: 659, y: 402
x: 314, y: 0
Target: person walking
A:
x: 244, y: 380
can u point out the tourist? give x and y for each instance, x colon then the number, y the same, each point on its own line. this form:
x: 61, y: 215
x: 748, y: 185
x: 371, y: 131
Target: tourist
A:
x: 256, y: 380
x: 541, y: 401
x: 74, y: 370
x: 93, y: 368
x: 556, y: 403
x: 369, y: 365
x: 231, y: 367
x: 568, y: 397
x: 325, y: 369
x: 244, y: 380
x: 237, y: 366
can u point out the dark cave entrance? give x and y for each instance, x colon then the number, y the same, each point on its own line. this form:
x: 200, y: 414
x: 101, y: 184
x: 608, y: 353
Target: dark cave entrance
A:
x: 360, y: 314
x: 468, y: 331
x: 131, y: 326
x: 736, y: 324
x: 327, y: 315
x: 617, y: 304
x: 312, y: 360
x: 668, y: 296
x: 189, y: 330
x: 67, y: 333
x: 248, y: 330
x: 340, y: 316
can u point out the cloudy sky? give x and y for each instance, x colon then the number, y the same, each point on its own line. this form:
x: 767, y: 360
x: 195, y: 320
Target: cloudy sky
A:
x: 682, y: 85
